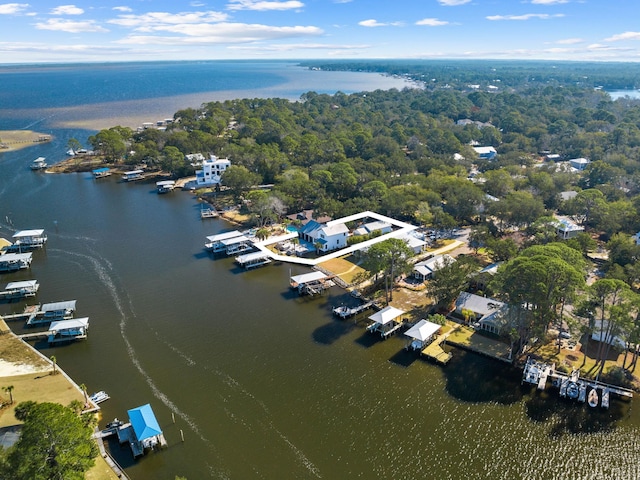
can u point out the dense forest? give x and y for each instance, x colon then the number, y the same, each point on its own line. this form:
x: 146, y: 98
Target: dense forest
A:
x: 410, y: 155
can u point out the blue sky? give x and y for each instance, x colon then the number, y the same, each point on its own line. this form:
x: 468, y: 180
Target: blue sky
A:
x: 116, y: 30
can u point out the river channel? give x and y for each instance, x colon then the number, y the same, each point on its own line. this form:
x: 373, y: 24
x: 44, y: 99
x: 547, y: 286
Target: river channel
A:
x: 263, y: 383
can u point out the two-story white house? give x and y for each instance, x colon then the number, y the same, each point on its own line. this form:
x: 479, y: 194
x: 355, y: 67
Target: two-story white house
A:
x: 212, y: 170
x: 325, y: 237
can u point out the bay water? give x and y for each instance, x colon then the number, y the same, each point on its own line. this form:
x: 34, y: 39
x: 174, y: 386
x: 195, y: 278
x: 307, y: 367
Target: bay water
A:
x: 261, y: 383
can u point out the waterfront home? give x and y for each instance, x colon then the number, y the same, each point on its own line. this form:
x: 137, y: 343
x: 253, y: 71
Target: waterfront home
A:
x: 10, y: 262
x: 425, y: 269
x: 485, y: 313
x: 68, y: 330
x: 146, y: 429
x: 386, y: 321
x: 421, y: 334
x: 132, y: 175
x: 28, y: 239
x: 325, y: 237
x: 212, y: 171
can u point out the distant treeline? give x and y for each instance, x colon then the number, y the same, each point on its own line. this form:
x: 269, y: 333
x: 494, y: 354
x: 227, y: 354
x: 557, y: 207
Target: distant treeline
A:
x: 507, y: 73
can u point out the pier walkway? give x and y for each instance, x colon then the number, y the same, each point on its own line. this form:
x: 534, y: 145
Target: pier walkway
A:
x: 435, y: 351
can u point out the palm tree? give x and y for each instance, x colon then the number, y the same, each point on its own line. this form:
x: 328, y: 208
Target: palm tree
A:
x: 54, y: 364
x: 9, y: 390
x: 83, y: 387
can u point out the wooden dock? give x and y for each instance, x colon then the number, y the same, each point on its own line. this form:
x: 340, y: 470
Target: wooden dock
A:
x: 208, y: 213
x: 435, y: 351
x: 345, y: 312
x: 570, y: 386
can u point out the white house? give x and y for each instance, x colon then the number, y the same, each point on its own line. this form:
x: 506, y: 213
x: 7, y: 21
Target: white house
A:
x: 212, y: 170
x: 326, y: 237
x: 424, y: 270
x: 486, y: 153
x: 579, y: 163
x: 567, y: 228
x: 487, y: 312
x: 377, y: 226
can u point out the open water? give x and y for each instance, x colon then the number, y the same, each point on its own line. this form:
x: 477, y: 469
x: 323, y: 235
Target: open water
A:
x: 262, y: 383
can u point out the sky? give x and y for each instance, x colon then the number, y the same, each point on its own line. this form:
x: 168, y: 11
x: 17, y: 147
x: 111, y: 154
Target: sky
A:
x: 133, y: 30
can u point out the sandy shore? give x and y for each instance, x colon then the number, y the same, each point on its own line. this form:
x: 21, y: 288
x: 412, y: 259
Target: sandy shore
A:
x: 11, y: 140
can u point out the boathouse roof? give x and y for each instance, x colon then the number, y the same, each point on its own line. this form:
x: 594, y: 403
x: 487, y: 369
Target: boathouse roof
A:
x: 223, y: 236
x: 423, y: 330
x: 249, y: 257
x: 55, y: 306
x: 22, y: 284
x: 15, y: 257
x: 386, y: 315
x: 69, y: 324
x: 144, y: 422
x: 307, y: 277
x: 28, y: 233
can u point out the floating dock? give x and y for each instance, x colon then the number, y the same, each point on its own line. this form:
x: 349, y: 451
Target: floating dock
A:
x: 208, y: 213
x: 571, y: 386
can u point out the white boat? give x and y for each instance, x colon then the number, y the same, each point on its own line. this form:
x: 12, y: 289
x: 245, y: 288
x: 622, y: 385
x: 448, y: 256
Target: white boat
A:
x: 71, y: 152
x: 99, y: 397
x: 593, y: 398
x: 39, y: 164
x: 165, y: 186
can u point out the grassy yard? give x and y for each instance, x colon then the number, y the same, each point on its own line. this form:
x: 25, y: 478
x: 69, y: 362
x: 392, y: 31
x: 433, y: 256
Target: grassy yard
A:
x: 41, y: 386
x: 343, y: 268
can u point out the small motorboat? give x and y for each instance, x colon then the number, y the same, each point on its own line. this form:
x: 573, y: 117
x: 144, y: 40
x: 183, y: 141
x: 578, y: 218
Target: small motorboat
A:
x: 592, y: 398
x: 99, y: 397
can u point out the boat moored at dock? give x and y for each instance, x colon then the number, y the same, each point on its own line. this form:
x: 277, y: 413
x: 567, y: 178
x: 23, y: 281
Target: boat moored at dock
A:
x: 39, y: 163
x: 51, y: 312
x: 99, y: 397
x: 253, y: 259
x: 571, y: 386
x: 11, y: 262
x: 28, y: 240
x: 101, y: 172
x: 17, y: 290
x: 386, y: 322
x: 68, y: 330
x: 132, y: 175
x: 165, y: 186
x: 311, y: 283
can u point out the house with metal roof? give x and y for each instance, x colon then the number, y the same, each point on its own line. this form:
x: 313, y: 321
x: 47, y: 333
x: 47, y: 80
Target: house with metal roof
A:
x: 486, y: 313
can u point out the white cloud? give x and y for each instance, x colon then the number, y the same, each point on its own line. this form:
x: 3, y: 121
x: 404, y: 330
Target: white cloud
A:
x: 432, y: 22
x: 287, y: 47
x: 219, y: 33
x: 548, y: 2
x: 624, y: 36
x: 122, y: 9
x: 61, y: 25
x: 342, y: 1
x: 66, y: 10
x: 570, y: 41
x: 13, y: 8
x: 374, y: 23
x: 152, y: 20
x: 452, y: 3
x: 262, y: 5
x: 527, y: 16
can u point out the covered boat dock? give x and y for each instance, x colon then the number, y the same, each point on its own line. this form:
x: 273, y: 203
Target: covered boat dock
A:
x: 68, y: 330
x: 253, y: 259
x: 386, y: 322
x: 214, y: 243
x: 310, y: 283
x: 11, y: 262
x: 50, y: 312
x: 29, y: 239
x: 101, y: 172
x: 15, y: 290
x: 421, y: 334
